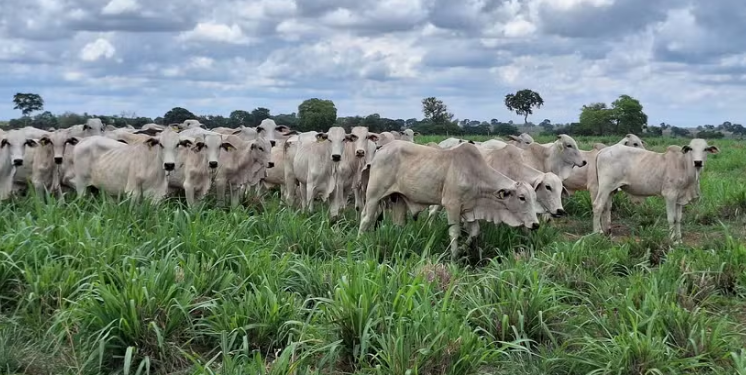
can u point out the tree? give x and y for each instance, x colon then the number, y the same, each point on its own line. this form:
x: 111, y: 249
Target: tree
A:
x: 317, y: 114
x: 290, y: 120
x: 506, y: 129
x: 436, y: 111
x: 27, y: 103
x: 259, y: 114
x: 240, y: 118
x: 45, y: 120
x: 628, y: 115
x: 177, y: 115
x: 522, y: 101
x: 595, y: 119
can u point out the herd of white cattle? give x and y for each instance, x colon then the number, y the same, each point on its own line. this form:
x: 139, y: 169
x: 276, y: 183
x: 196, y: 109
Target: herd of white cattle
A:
x: 499, y: 181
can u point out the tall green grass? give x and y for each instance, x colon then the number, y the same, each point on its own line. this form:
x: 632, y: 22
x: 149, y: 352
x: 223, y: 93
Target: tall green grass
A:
x: 97, y: 286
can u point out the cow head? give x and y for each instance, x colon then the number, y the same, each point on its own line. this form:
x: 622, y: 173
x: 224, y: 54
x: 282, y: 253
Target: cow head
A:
x: 360, y: 136
x: 336, y: 135
x: 269, y: 130
x: 520, y: 201
x: 548, y: 188
x: 632, y: 140
x: 14, y: 143
x: 697, y: 150
x: 568, y: 149
x: 168, y: 142
x: 523, y: 140
x: 56, y: 142
x: 93, y: 126
x: 408, y: 135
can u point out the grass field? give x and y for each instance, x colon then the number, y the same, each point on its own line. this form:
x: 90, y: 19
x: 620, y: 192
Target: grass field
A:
x: 98, y: 287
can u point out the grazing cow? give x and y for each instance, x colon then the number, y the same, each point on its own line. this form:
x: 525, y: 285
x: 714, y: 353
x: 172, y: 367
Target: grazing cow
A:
x: 673, y: 175
x: 415, y: 176
x: 139, y: 169
x: 522, y: 141
x: 198, y: 160
x: 242, y: 168
x: 12, y: 149
x: 47, y: 170
x: 509, y: 161
x: 86, y: 152
x: 558, y: 157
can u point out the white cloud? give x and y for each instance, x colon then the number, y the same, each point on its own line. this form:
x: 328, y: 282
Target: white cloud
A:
x: 216, y: 32
x: 100, y: 48
x: 120, y: 6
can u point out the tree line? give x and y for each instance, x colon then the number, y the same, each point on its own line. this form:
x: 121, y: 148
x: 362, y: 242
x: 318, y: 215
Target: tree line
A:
x: 624, y: 115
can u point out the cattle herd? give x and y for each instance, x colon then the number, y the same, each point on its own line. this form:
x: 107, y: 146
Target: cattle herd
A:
x: 499, y: 181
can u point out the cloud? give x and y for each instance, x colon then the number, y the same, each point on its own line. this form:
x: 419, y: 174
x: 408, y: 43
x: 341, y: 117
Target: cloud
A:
x: 684, y: 60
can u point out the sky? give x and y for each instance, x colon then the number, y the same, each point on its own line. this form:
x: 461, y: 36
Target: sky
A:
x: 684, y: 60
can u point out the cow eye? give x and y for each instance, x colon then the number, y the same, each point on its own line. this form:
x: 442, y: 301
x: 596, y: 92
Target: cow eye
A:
x: 261, y: 149
x: 523, y: 199
x: 549, y: 188
x: 569, y: 146
x: 635, y: 144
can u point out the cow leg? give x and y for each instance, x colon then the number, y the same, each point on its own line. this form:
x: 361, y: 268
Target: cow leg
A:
x: 235, y: 195
x: 473, y: 228
x: 309, y: 197
x: 369, y: 211
x: 679, y: 215
x: 671, y: 215
x: 336, y: 203
x: 189, y: 192
x: 220, y: 192
x: 358, y: 198
x: 600, y: 204
x: 434, y: 209
x: 454, y: 229
x: 399, y: 211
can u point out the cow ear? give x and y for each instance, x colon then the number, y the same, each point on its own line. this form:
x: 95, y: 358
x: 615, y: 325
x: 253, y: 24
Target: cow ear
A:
x: 86, y: 127
x: 44, y: 141
x: 123, y: 141
x: 237, y: 131
x: 503, y: 193
x: 292, y: 132
x: 150, y: 131
x: 152, y: 142
x: 31, y: 143
x: 227, y: 146
x: 72, y: 140
x: 626, y: 143
x: 281, y: 128
x: 417, y: 133
x: 515, y: 138
x: 351, y: 137
x: 565, y: 192
x: 320, y: 137
x: 686, y: 149
x: 198, y: 146
x: 472, y: 142
x: 373, y: 137
x: 536, y: 183
x: 185, y: 143
x: 713, y: 150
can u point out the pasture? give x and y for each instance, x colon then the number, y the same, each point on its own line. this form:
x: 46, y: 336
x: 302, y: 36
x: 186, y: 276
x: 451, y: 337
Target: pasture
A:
x: 95, y: 286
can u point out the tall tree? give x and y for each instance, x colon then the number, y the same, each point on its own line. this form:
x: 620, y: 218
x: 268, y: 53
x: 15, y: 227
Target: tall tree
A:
x: 317, y: 114
x: 27, y: 103
x: 435, y: 110
x: 628, y: 115
x: 596, y: 119
x: 259, y: 114
x: 240, y: 118
x: 522, y: 103
x: 177, y: 115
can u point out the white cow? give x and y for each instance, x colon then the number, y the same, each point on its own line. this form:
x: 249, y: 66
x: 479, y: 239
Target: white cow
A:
x: 86, y: 152
x: 674, y: 175
x: 558, y: 157
x: 415, y: 176
x: 138, y: 169
x: 521, y: 141
x: 408, y: 135
x: 453, y: 142
x: 197, y: 163
x: 242, y: 168
x: 48, y: 170
x: 12, y: 149
x: 92, y: 126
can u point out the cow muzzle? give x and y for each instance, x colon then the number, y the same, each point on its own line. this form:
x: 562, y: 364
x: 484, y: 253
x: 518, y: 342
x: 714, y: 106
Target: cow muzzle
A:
x: 698, y: 164
x: 273, y: 143
x: 534, y: 226
x: 360, y: 153
x: 213, y: 164
x: 270, y: 165
x: 18, y: 162
x: 58, y: 160
x: 560, y: 212
x: 336, y: 157
x: 169, y: 166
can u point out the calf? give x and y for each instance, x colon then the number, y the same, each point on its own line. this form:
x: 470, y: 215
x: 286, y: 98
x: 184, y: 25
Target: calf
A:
x: 12, y: 149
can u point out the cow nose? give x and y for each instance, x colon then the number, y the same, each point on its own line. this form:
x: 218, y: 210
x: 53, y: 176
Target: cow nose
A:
x: 698, y: 163
x: 584, y: 163
x: 273, y: 143
x: 57, y: 160
x: 270, y: 165
x: 561, y: 212
x: 535, y: 226
x: 336, y: 157
x: 213, y: 164
x: 360, y: 153
x: 169, y: 166
x: 18, y: 162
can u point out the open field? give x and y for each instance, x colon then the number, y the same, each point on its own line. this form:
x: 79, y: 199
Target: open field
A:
x: 97, y: 287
